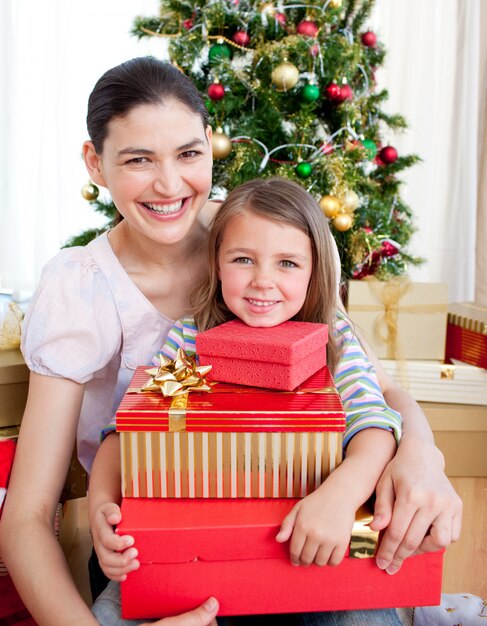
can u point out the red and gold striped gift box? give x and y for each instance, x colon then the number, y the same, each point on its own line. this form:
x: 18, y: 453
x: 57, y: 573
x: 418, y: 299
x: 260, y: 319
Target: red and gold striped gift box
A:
x: 231, y: 442
x: 466, y: 336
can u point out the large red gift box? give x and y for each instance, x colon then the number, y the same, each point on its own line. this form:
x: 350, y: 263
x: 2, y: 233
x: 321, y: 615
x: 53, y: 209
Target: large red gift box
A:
x: 281, y: 357
x: 233, y: 441
x: 466, y: 335
x: 192, y: 549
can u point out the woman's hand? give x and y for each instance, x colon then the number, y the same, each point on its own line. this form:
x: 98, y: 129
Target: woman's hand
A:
x: 416, y: 503
x: 116, y: 554
x: 204, y: 615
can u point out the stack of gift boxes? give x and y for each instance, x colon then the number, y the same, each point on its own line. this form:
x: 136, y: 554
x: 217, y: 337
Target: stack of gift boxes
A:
x: 435, y: 350
x: 210, y: 472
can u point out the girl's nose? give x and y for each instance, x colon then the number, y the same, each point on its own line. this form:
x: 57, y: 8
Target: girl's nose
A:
x: 262, y: 279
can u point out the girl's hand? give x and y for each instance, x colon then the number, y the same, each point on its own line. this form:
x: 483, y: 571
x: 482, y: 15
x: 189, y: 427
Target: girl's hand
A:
x: 116, y: 553
x: 321, y: 527
x: 417, y: 504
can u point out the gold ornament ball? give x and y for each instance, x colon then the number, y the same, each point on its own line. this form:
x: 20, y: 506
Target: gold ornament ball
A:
x: 90, y: 192
x: 330, y: 205
x: 351, y: 200
x: 221, y: 145
x: 343, y: 222
x: 335, y: 4
x: 285, y: 76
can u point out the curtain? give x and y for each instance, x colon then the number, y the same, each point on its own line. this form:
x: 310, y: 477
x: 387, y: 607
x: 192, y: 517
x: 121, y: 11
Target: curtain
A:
x: 53, y: 52
x: 432, y: 72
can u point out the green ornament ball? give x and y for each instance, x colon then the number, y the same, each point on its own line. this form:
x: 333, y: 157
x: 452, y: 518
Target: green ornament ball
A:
x: 219, y: 51
x: 310, y: 93
x: 303, y: 170
x: 370, y: 148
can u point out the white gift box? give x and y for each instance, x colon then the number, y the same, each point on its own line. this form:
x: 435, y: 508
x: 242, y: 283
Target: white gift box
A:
x: 435, y: 381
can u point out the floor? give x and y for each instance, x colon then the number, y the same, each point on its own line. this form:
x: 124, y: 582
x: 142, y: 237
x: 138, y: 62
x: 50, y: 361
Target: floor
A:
x: 464, y: 569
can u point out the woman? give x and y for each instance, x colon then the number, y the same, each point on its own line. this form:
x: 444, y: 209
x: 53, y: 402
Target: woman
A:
x: 102, y: 310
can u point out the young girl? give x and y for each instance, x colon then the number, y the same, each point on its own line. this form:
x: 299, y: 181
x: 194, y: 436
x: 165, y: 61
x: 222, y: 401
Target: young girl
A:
x: 271, y: 259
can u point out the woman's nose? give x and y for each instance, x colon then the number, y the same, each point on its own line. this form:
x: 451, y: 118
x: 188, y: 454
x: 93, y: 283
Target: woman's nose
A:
x: 167, y: 181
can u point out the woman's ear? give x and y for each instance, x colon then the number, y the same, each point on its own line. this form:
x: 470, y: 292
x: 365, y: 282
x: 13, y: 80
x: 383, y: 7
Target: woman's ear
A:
x: 93, y: 163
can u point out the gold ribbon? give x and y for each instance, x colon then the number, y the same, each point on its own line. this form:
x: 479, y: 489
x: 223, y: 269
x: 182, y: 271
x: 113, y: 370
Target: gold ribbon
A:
x: 178, y: 376
x: 10, y: 329
x: 386, y: 325
x: 364, y: 540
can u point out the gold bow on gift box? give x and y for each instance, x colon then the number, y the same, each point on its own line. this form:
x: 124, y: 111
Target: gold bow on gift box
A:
x: 177, y: 376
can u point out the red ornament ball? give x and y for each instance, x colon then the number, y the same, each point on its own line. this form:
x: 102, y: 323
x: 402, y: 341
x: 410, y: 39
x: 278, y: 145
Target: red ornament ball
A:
x: 281, y: 19
x: 188, y: 23
x: 369, y: 39
x: 241, y: 38
x: 216, y: 91
x: 346, y: 93
x: 388, y: 249
x: 388, y: 155
x: 333, y: 92
x: 308, y: 28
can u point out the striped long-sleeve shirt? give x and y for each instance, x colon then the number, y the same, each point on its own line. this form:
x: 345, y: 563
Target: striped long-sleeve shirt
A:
x: 355, y: 377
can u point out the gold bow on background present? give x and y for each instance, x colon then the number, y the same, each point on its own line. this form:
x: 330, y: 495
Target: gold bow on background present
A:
x: 177, y: 376
x: 10, y: 327
x: 389, y: 294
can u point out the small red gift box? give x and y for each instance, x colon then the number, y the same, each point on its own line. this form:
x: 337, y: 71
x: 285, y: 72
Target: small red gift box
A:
x: 192, y: 549
x: 230, y: 442
x: 466, y: 335
x: 281, y: 357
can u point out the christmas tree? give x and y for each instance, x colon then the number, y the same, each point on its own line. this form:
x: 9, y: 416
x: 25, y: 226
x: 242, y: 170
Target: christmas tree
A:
x: 291, y: 92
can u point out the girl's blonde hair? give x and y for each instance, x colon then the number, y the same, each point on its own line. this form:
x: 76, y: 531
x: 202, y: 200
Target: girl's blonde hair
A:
x: 284, y: 202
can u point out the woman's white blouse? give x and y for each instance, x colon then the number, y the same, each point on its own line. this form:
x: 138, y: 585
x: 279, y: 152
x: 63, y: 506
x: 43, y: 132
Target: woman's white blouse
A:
x: 88, y: 322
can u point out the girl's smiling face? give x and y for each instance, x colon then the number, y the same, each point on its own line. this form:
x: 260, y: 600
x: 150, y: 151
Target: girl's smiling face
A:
x: 156, y: 163
x: 264, y: 268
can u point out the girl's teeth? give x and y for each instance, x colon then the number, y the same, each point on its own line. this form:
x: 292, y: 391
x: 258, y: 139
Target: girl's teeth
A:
x: 262, y: 302
x: 165, y: 209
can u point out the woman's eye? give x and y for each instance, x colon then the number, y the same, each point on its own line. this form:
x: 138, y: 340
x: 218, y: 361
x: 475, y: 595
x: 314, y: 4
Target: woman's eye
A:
x: 137, y: 160
x: 285, y: 263
x: 189, y: 154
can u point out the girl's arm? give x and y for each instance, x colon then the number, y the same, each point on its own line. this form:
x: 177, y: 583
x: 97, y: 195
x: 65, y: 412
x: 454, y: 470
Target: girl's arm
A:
x: 416, y: 502
x: 321, y: 524
x: 104, y: 512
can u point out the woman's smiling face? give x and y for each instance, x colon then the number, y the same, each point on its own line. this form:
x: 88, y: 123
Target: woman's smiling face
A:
x: 157, y: 164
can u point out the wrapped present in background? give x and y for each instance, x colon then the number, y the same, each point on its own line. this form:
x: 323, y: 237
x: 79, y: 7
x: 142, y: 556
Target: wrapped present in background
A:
x: 435, y: 381
x: 281, y: 357
x: 400, y: 319
x: 467, y: 333
x: 192, y: 549
x: 231, y: 442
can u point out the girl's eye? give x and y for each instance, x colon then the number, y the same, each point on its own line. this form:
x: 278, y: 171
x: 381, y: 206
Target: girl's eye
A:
x: 285, y: 263
x: 244, y: 260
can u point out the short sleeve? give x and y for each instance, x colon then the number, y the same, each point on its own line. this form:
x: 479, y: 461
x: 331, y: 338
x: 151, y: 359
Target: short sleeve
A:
x: 72, y: 327
x: 358, y: 386
x: 181, y: 335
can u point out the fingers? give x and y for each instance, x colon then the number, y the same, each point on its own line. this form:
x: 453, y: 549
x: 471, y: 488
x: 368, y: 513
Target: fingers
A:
x: 287, y: 526
x: 204, y: 615
x: 384, y: 504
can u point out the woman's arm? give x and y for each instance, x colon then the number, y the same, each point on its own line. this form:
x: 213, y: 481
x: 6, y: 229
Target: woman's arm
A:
x: 416, y: 502
x: 29, y: 548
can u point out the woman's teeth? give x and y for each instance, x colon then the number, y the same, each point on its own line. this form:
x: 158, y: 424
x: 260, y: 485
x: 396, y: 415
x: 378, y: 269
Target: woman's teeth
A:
x: 262, y: 302
x: 164, y: 209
